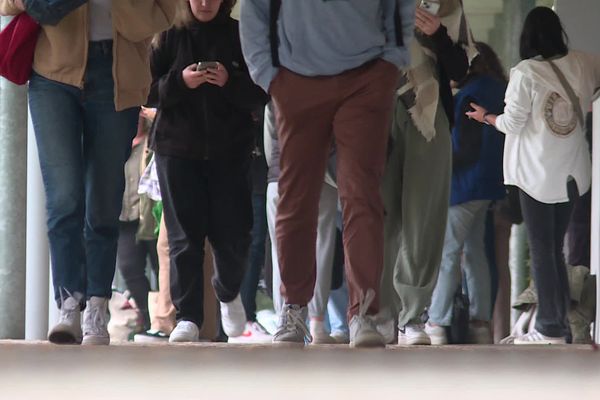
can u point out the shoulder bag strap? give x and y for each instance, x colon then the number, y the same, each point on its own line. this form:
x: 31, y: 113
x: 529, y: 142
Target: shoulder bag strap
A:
x: 570, y: 92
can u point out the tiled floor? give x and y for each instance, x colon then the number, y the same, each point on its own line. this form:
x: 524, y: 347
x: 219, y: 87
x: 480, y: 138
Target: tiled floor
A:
x: 216, y: 371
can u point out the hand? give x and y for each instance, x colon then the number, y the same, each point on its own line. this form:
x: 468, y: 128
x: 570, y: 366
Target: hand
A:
x: 19, y: 4
x: 477, y: 114
x: 427, y: 23
x: 148, y: 113
x: 218, y: 76
x: 192, y: 78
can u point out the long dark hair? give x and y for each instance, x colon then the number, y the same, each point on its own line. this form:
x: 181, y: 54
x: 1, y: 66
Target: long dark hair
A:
x: 486, y: 63
x: 543, y: 35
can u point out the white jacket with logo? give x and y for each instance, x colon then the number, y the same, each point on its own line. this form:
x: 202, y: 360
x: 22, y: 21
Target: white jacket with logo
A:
x: 545, y: 143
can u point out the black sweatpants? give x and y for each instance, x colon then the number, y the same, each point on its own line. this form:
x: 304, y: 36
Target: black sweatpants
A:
x: 546, y: 226
x: 210, y: 198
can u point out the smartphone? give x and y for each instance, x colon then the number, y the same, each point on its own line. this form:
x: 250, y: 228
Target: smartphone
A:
x: 204, y: 65
x: 431, y: 6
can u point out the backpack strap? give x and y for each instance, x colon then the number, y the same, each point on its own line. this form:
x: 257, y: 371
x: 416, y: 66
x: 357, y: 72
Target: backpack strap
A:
x: 398, y: 26
x: 274, y: 9
x: 570, y: 92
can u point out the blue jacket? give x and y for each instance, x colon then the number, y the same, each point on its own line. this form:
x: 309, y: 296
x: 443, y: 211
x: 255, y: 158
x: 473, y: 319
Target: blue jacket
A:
x: 477, y: 148
x: 324, y: 37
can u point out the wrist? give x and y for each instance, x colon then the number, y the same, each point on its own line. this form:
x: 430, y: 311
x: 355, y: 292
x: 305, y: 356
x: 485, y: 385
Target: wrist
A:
x: 484, y: 119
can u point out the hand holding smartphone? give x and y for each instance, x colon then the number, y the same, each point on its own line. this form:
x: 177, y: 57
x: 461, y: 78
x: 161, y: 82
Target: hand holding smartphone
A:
x: 431, y: 6
x: 204, y: 65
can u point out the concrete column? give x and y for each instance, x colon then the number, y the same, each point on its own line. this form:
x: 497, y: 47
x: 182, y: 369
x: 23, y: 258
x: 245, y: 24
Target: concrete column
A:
x: 595, y: 239
x: 13, y: 193
x: 36, y: 312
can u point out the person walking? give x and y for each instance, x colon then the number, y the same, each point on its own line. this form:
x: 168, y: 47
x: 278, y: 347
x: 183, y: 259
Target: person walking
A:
x: 90, y: 77
x: 331, y: 68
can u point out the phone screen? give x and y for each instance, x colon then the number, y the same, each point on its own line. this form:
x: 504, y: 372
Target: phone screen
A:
x: 203, y: 65
x: 432, y: 7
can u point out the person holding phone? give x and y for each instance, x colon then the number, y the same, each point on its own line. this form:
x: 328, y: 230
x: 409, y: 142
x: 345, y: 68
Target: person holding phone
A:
x: 91, y: 76
x: 203, y: 141
x: 416, y: 184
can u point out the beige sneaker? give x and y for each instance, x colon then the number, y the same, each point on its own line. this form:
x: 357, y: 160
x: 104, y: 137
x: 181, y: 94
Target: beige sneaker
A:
x: 68, y: 328
x: 95, y: 322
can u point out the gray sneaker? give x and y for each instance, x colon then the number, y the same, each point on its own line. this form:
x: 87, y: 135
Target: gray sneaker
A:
x: 292, y: 326
x: 363, y: 328
x: 95, y: 322
x: 68, y: 328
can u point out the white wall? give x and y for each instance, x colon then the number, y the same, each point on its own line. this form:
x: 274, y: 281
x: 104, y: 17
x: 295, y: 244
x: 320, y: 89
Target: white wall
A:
x: 581, y: 20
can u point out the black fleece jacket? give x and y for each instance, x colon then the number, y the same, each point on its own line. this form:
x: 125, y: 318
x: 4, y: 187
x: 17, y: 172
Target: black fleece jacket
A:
x: 209, y: 122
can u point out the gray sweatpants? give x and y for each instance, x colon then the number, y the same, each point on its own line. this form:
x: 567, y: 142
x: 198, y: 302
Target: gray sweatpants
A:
x: 326, y: 235
x: 416, y: 189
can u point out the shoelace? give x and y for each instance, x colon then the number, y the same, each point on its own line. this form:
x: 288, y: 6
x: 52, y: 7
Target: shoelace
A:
x: 293, y: 321
x: 66, y: 312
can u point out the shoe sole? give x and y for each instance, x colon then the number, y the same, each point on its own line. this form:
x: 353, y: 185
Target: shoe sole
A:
x: 329, y: 340
x: 442, y: 342
x: 544, y: 343
x: 95, y: 341
x: 414, y: 342
x: 292, y: 345
x: 183, y: 340
x: 367, y: 344
x: 63, y: 338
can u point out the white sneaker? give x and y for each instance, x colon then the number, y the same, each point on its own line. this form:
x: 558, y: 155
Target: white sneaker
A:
x: 437, y: 334
x: 95, y: 322
x: 363, y: 329
x: 292, y: 329
x: 233, y: 317
x: 68, y: 328
x: 386, y: 326
x: 319, y: 334
x: 185, y: 332
x: 535, y: 337
x: 253, y: 334
x: 151, y: 336
x: 413, y: 334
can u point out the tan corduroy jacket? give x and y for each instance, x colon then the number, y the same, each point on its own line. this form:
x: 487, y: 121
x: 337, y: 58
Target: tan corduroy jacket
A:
x: 61, y: 52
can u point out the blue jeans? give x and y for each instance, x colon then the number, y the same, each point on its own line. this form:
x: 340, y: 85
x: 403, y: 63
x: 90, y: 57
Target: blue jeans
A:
x: 464, y: 241
x: 257, y: 255
x: 83, y: 144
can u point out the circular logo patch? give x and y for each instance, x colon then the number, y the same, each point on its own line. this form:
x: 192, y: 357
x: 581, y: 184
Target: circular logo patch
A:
x: 559, y: 115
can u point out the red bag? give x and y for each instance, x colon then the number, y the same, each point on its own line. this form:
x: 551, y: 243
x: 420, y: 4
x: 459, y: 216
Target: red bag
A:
x: 17, y: 47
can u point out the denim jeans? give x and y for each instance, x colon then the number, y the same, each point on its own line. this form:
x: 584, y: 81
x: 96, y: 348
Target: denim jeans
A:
x: 546, y: 228
x: 257, y: 255
x: 464, y: 240
x: 83, y: 144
